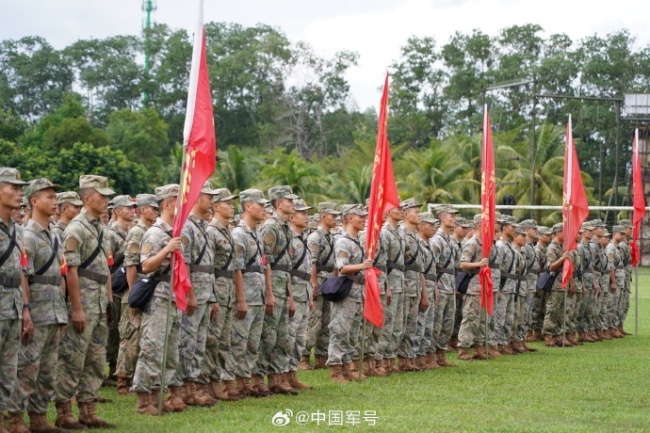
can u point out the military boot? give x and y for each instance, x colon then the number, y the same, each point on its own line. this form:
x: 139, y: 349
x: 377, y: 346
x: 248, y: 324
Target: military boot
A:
x: 123, y: 386
x: 463, y: 354
x: 453, y: 343
x: 154, y: 397
x: 38, y: 424
x: 203, y: 391
x: 479, y: 352
x: 354, y: 373
x: 530, y: 336
x: 493, y: 352
x: 518, y: 347
x: 89, y: 418
x: 258, y: 388
x: 223, y: 391
x: 304, y: 363
x: 174, y: 401
x: 336, y: 374
x: 442, y: 359
x: 192, y: 397
x: 276, y: 384
x: 431, y: 361
x: 64, y: 418
x: 403, y: 364
x: 144, y: 406
x: 286, y: 381
x: 17, y: 423
x: 527, y: 348
x: 549, y: 340
x: 321, y: 362
x: 506, y: 350
x: 368, y: 367
x: 296, y: 383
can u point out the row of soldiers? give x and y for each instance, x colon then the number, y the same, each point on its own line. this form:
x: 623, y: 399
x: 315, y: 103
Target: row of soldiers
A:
x: 254, y: 314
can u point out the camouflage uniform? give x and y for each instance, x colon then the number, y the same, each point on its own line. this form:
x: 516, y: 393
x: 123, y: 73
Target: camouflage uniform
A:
x: 574, y: 300
x: 624, y: 298
x: 393, y: 327
x: 198, y: 251
x: 504, y: 313
x: 471, y: 330
x: 527, y: 291
x: 117, y: 242
x: 597, y: 260
x: 301, y: 274
x: 414, y: 266
x: 518, y: 287
x: 425, y: 343
x: 458, y: 319
x: 496, y: 259
x: 373, y: 334
x: 555, y: 303
x: 38, y: 359
x: 152, y: 329
x: 615, y: 263
x: 445, y: 310
x: 539, y: 301
x: 605, y: 295
x: 585, y: 312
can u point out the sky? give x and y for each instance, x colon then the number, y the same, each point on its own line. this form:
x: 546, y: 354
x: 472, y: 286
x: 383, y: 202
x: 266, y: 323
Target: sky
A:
x: 376, y: 29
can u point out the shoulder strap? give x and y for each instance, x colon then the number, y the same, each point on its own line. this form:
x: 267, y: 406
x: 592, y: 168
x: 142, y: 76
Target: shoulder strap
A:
x: 304, y: 254
x: 12, y: 245
x: 286, y: 248
x: 95, y: 253
x: 205, y: 245
x: 232, y: 250
x: 431, y: 262
x: 514, y: 257
x: 331, y: 244
x: 415, y: 256
x: 374, y: 262
x: 47, y: 265
x: 259, y: 251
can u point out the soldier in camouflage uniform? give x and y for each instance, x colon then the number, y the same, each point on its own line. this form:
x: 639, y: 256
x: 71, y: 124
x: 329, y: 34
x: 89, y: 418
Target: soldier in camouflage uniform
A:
x: 250, y: 277
x: 130, y: 320
x: 275, y: 348
x: 346, y: 318
x: 539, y: 301
x: 321, y: 246
x: 14, y: 315
x: 574, y: 297
x: 302, y: 291
x: 156, y: 248
x: 616, y: 270
x: 458, y: 241
x: 496, y: 258
x: 217, y: 347
x: 532, y: 271
x: 415, y: 298
x: 518, y: 287
x: 198, y: 251
x: 600, y: 268
x: 472, y: 330
x: 116, y: 233
x: 82, y: 354
x: 38, y: 355
x: 445, y: 270
x: 69, y: 205
x: 586, y: 312
x: 624, y: 298
x: 555, y: 257
x: 504, y: 311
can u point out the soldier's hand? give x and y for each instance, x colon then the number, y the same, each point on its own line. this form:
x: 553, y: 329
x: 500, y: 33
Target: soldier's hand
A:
x: 424, y: 304
x: 111, y: 315
x: 311, y: 305
x: 173, y: 245
x: 292, y: 307
x: 565, y: 256
x: 214, y: 310
x: 367, y: 264
x: 314, y: 285
x: 27, y: 329
x: 269, y: 304
x: 436, y: 301
x: 191, y: 303
x: 612, y: 288
x: 315, y: 293
x: 242, y: 309
x: 135, y: 313
x: 79, y: 320
x: 484, y: 261
x: 389, y: 296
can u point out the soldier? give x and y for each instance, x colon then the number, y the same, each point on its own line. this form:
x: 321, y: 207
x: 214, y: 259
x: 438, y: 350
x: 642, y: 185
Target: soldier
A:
x: 161, y: 314
x: 15, y: 319
x: 458, y: 238
x: 116, y: 233
x: 275, y: 348
x: 605, y: 285
x: 217, y: 346
x: 496, y: 259
x: 321, y: 246
x: 415, y: 298
x: 574, y: 296
x: 82, y: 354
x: 472, y: 332
x: 69, y: 205
x: 616, y: 271
x: 600, y: 264
x: 347, y: 314
x: 198, y: 252
x: 586, y: 313
x: 517, y: 284
x: 624, y: 298
x: 426, y: 345
x: 446, y: 269
x: 504, y: 313
x: 44, y: 295
x: 302, y: 290
x: 529, y: 285
x: 250, y: 288
x: 130, y: 320
x: 539, y: 301
x: 555, y: 257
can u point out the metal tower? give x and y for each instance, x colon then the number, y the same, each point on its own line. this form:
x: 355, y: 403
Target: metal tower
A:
x: 148, y: 7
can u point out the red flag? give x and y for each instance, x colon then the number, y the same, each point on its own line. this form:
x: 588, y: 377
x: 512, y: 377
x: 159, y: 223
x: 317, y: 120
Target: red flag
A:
x: 383, y: 197
x: 488, y: 211
x: 639, y: 201
x: 200, y: 147
x: 575, y: 209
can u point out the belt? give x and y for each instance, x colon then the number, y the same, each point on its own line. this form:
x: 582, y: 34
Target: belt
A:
x: 10, y: 282
x: 359, y: 279
x: 165, y: 278
x: 498, y: 267
x: 223, y: 273
x: 54, y: 280
x: 254, y: 268
x: 413, y: 268
x: 534, y: 272
x: 283, y: 268
x: 95, y: 276
x: 201, y: 269
x: 393, y: 265
x: 620, y: 267
x: 431, y: 277
x: 300, y: 274
x: 512, y: 276
x: 381, y: 268
x: 450, y: 271
x: 323, y: 268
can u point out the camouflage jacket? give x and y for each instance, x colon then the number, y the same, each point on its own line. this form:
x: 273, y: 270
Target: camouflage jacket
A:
x: 553, y: 254
x: 349, y: 251
x: 224, y: 254
x: 117, y: 241
x: 321, y: 246
x: 198, y: 252
x: 276, y: 237
x: 301, y: 264
x: 394, y: 256
x: 249, y: 258
x: 413, y: 262
x: 443, y: 253
x: 11, y: 297
x: 154, y: 240
x: 473, y: 252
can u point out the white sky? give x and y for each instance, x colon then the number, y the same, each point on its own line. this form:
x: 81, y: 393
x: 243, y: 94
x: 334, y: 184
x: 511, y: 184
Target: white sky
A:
x: 376, y: 29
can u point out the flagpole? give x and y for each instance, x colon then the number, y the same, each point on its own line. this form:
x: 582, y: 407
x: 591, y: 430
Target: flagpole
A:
x: 363, y: 333
x: 636, y: 300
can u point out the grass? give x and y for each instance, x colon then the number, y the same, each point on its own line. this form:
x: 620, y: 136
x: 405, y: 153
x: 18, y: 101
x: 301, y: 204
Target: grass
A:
x: 602, y: 387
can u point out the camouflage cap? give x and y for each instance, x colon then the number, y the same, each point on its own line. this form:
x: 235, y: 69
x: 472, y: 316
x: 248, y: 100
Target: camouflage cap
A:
x: 328, y: 207
x: 528, y: 224
x: 24, y: 202
x: 146, y: 200
x: 607, y: 234
x: 123, y: 200
x: 282, y: 191
x: 10, y: 175
x: 597, y: 223
x: 409, y: 203
x: 557, y: 228
x: 618, y: 229
x: 543, y: 230
x: 207, y: 188
x: 167, y: 191
x: 98, y: 183
x: 444, y: 208
x: 69, y: 197
x: 509, y: 219
x: 252, y: 195
x: 464, y: 223
x: 223, y: 194
x: 587, y: 226
x: 268, y: 207
x: 353, y: 209
x: 427, y: 217
x: 39, y: 185
x: 498, y: 217
x: 301, y: 206
x: 477, y: 219
x: 625, y: 223
x: 519, y: 230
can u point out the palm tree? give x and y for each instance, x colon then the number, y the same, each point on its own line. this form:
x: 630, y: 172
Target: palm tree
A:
x: 236, y: 170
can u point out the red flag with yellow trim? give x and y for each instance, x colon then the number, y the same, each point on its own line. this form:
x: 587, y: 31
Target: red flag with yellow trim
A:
x: 200, y: 147
x: 638, y: 201
x: 488, y: 212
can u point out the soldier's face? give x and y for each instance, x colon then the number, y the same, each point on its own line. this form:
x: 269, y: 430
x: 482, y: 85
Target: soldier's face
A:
x: 545, y: 238
x: 328, y: 220
x: 508, y: 230
x: 149, y: 214
x: 604, y: 241
x: 396, y: 214
x: 427, y: 230
x: 286, y: 206
x: 448, y: 220
x: 598, y: 231
x: 357, y: 222
x: 96, y: 203
x: 125, y: 213
x: 224, y: 209
x: 45, y: 202
x: 588, y: 234
x: 204, y: 203
x: 300, y: 219
x: 617, y: 236
x: 256, y: 210
x: 520, y: 239
x: 412, y: 215
x: 10, y: 195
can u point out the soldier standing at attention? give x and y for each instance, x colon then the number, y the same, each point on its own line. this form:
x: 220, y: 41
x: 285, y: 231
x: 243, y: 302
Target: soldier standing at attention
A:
x: 69, y: 205
x: 585, y: 317
x: 532, y: 272
x: 82, y: 356
x: 44, y: 292
x: 555, y: 257
x: 130, y: 320
x: 600, y: 265
x: 504, y: 312
x: 624, y: 298
x: 15, y: 319
x: 616, y: 271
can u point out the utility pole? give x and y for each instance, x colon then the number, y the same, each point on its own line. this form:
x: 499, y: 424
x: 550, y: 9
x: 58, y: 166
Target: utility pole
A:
x: 148, y: 6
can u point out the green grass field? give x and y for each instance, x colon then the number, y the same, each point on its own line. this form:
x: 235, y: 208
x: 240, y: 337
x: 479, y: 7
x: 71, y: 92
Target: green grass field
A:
x: 602, y: 387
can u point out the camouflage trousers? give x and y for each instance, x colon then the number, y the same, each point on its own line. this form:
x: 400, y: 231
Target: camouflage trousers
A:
x: 571, y: 311
x: 152, y: 345
x: 581, y: 325
x: 9, y: 347
x: 505, y: 318
x: 127, y: 357
x: 623, y: 306
x: 191, y: 343
x: 407, y: 346
x: 519, y: 318
x: 374, y: 334
x: 472, y: 328
x: 298, y: 334
x: 603, y: 317
x: 493, y: 320
x: 554, y: 313
x: 612, y: 308
x: 586, y: 316
x: 318, y: 334
x: 444, y: 316
x: 37, y: 371
x: 459, y: 315
x: 424, y: 343
x: 113, y: 341
x: 245, y: 342
x: 275, y: 345
x: 217, y: 347
x: 537, y: 310
x: 392, y: 330
x: 344, y: 331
